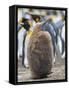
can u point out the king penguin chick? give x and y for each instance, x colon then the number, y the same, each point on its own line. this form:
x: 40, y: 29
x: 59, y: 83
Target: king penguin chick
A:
x: 40, y: 53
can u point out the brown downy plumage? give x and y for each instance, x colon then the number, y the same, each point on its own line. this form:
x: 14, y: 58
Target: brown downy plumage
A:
x: 40, y: 53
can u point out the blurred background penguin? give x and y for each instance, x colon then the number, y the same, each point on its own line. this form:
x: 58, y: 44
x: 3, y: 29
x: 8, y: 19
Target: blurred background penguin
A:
x: 24, y: 33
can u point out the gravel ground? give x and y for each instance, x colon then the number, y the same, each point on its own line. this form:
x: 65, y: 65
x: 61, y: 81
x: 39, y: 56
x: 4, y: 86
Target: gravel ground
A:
x: 57, y: 72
